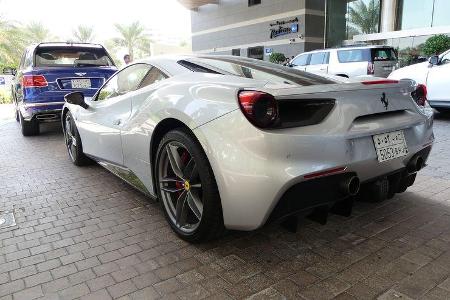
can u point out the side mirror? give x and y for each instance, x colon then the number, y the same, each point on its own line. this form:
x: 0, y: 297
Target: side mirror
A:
x: 76, y: 98
x: 434, y: 60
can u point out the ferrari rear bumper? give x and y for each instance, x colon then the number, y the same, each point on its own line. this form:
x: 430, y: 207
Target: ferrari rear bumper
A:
x: 256, y: 169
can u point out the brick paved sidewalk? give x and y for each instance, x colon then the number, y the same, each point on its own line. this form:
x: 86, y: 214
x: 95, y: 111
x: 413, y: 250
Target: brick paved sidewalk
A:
x: 82, y: 233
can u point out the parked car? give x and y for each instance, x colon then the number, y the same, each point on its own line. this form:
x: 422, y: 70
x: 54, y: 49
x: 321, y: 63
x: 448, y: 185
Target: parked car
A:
x: 230, y: 142
x: 353, y: 61
x: 48, y: 71
x: 435, y: 74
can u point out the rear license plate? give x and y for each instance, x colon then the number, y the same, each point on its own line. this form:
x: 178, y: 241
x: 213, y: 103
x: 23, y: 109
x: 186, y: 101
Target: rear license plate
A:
x: 81, y: 83
x: 390, y: 145
x: 387, y: 68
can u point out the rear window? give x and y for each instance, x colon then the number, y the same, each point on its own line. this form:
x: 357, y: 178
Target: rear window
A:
x: 353, y: 55
x: 384, y: 54
x: 71, y: 56
x: 255, y: 69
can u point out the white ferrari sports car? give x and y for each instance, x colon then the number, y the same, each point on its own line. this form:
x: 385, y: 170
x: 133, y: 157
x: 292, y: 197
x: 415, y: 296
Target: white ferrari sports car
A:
x: 230, y: 142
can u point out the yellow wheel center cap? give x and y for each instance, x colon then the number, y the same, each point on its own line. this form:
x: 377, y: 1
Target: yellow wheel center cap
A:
x: 187, y: 185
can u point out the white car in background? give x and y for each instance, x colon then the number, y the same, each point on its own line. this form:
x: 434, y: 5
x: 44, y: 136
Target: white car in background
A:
x: 352, y: 61
x: 435, y: 74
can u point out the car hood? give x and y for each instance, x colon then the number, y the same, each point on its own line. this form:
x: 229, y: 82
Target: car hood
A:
x: 409, y: 71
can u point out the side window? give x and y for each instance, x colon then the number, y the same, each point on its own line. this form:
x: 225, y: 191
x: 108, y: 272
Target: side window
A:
x: 318, y: 58
x: 301, y: 60
x: 124, y: 82
x: 153, y: 76
x: 22, y: 61
x: 28, y: 59
x: 355, y: 55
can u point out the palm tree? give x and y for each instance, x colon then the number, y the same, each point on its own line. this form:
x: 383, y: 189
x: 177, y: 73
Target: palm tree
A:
x: 83, y: 34
x: 363, y: 16
x: 37, y: 33
x: 133, y: 38
x: 12, y: 43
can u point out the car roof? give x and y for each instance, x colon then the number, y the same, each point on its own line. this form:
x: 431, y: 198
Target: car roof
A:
x: 169, y: 64
x: 69, y: 44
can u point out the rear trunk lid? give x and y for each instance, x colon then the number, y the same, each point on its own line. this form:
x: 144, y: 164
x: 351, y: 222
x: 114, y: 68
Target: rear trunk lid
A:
x: 81, y: 78
x: 384, y: 61
x: 359, y: 109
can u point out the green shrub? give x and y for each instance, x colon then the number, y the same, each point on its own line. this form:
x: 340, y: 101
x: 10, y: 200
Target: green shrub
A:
x: 5, y: 97
x: 277, y: 58
x: 436, y: 44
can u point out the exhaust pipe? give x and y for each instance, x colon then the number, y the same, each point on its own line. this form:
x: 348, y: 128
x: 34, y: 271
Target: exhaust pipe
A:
x: 350, y: 185
x: 415, y: 164
x: 46, y: 117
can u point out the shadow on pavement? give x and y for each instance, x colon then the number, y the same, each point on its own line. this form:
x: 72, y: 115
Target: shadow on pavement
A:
x: 49, y: 129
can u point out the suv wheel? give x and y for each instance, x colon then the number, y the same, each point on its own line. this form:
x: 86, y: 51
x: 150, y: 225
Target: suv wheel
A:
x: 29, y: 128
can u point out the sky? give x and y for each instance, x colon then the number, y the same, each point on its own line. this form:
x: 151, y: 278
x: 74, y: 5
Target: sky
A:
x: 62, y: 16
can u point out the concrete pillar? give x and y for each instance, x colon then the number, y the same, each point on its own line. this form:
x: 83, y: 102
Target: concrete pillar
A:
x: 388, y: 15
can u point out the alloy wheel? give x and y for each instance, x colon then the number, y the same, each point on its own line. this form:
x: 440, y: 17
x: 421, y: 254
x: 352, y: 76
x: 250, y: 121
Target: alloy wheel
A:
x: 180, y: 186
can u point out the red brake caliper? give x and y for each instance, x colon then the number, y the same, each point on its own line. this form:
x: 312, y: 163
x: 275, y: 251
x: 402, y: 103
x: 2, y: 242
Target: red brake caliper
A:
x: 184, y: 159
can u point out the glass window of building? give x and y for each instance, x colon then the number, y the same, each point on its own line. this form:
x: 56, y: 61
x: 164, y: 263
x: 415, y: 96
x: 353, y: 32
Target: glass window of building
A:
x: 441, y: 13
x: 425, y: 13
x: 346, y: 18
x: 414, y: 14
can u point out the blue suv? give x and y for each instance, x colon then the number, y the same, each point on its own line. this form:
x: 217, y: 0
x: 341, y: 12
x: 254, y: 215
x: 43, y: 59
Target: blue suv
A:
x: 48, y: 71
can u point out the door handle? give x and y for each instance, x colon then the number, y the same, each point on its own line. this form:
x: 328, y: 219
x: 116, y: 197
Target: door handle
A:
x: 117, y: 122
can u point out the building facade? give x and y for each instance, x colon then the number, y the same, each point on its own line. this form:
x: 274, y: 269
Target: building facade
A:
x: 256, y: 28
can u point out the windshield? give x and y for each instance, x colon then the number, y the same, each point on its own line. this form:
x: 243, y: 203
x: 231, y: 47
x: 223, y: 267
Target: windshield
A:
x: 71, y: 56
x: 251, y: 68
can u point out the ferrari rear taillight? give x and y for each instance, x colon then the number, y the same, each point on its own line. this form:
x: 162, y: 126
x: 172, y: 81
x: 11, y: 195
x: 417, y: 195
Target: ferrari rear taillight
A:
x: 370, y: 68
x: 420, y: 94
x: 34, y: 81
x: 259, y: 108
x: 380, y: 81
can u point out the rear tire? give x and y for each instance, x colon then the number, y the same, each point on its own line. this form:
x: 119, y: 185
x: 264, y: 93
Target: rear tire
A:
x: 73, y: 142
x: 29, y: 128
x: 188, y: 192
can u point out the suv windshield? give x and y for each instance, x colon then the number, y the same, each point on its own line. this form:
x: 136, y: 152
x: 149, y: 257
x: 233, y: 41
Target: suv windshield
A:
x: 250, y: 68
x: 71, y: 56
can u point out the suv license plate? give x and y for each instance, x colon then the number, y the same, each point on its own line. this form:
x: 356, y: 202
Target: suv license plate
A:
x: 390, y: 145
x: 81, y: 83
